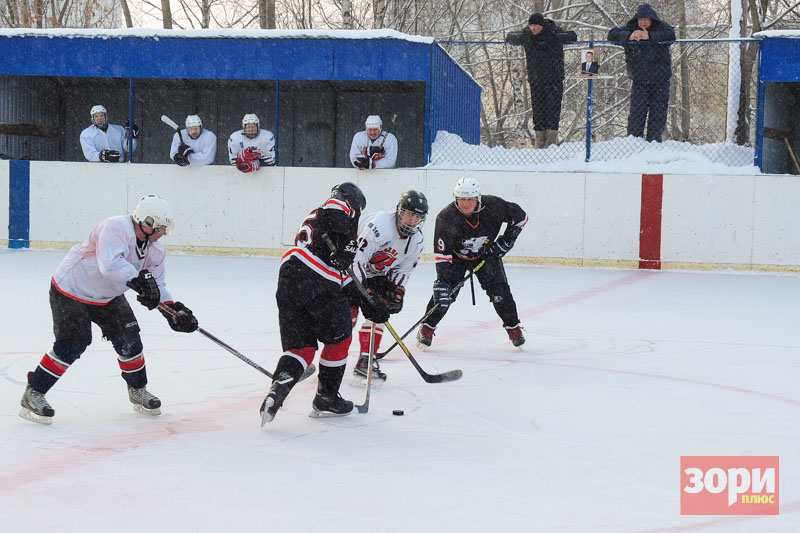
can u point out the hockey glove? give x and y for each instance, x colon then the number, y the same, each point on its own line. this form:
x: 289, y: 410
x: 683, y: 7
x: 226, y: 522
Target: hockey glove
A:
x: 362, y: 162
x: 250, y: 154
x: 374, y: 309
x: 342, y: 258
x: 146, y: 287
x: 109, y: 156
x: 498, y: 248
x: 376, y: 150
x: 441, y: 293
x: 185, y: 150
x: 248, y: 166
x: 134, y: 130
x: 181, y: 160
x: 268, y: 159
x: 374, y: 160
x: 179, y: 316
x: 396, y: 299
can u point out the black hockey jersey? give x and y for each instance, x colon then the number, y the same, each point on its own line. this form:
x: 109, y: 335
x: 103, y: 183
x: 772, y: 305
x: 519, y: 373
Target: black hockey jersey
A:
x: 460, y: 236
x: 337, y: 219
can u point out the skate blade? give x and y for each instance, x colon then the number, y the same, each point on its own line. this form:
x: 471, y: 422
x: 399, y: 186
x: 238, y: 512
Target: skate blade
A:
x: 145, y: 411
x: 266, y: 416
x: 27, y: 414
x: 422, y: 347
x: 327, y: 414
x: 361, y: 381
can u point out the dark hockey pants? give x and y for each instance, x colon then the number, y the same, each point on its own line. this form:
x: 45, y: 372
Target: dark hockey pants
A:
x: 72, y: 327
x: 492, y: 279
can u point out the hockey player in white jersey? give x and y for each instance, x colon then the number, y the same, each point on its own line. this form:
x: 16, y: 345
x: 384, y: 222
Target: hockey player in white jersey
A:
x: 373, y: 148
x: 121, y: 252
x: 251, y: 147
x: 195, y: 145
x: 104, y: 142
x: 389, y: 246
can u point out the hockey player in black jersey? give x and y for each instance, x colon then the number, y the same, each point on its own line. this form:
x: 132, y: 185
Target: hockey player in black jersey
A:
x: 312, y: 306
x: 466, y: 231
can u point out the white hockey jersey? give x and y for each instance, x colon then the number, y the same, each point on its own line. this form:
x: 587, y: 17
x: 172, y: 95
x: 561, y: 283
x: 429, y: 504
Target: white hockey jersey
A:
x: 361, y: 143
x: 264, y: 143
x: 97, y: 270
x: 205, y: 147
x: 94, y: 140
x: 382, y: 251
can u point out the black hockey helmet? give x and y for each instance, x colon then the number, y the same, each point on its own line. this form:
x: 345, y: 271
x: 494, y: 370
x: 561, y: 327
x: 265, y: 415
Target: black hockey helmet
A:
x: 413, y: 202
x: 349, y: 191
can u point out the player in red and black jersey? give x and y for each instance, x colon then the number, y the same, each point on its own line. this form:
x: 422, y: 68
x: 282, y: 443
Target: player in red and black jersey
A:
x: 312, y: 306
x: 466, y: 232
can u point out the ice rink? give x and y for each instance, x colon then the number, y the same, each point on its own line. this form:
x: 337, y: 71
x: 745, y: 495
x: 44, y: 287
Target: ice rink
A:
x: 623, y: 372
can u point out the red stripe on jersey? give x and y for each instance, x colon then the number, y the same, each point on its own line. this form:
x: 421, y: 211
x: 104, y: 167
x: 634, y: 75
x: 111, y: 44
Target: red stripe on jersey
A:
x: 53, y: 366
x: 443, y: 259
x: 315, y: 264
x: 131, y: 365
x: 333, y: 203
x: 68, y: 295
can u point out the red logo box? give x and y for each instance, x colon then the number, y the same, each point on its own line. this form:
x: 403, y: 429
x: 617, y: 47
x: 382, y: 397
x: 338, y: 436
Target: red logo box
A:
x: 729, y: 485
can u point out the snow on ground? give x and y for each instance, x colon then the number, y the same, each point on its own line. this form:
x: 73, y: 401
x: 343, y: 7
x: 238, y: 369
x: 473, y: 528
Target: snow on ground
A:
x: 626, y: 154
x: 623, y: 372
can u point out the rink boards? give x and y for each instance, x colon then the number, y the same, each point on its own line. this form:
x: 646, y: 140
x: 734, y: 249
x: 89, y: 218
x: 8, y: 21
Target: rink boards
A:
x: 580, y: 219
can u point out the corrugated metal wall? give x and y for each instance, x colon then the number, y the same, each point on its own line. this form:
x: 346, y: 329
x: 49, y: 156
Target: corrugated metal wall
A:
x: 29, y: 118
x: 455, y: 104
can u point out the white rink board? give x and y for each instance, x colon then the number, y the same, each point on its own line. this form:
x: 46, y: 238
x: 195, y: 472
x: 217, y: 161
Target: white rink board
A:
x: 574, y: 217
x: 4, y: 177
x: 707, y: 219
x: 776, y: 227
x: 613, y: 211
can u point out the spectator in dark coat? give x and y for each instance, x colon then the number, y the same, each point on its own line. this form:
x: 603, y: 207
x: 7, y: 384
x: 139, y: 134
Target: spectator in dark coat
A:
x: 645, y: 39
x: 544, y: 52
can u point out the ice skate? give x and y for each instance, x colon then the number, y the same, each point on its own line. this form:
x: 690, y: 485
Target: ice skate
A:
x: 515, y: 336
x: 144, y: 402
x: 424, y: 336
x: 360, y: 372
x: 278, y: 392
x: 35, y: 407
x: 328, y: 406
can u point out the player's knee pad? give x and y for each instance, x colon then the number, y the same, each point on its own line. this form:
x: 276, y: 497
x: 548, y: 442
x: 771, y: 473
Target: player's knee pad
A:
x: 498, y: 292
x: 335, y: 354
x: 127, y: 344
x: 69, y: 350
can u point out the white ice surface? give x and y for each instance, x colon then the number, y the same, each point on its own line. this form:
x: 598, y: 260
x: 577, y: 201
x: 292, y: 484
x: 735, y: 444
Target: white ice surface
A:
x: 623, y: 372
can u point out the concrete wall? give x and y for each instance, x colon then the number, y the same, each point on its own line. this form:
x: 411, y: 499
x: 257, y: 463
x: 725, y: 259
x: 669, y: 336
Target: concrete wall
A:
x: 742, y: 222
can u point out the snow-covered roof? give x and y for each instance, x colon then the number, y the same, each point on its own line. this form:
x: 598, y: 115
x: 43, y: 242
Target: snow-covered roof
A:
x: 213, y: 34
x: 778, y: 34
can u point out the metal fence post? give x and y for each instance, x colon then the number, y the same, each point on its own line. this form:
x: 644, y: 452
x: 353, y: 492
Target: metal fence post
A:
x: 130, y: 120
x: 589, y: 91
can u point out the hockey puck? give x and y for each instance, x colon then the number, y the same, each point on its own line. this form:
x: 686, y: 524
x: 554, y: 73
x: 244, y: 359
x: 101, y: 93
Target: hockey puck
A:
x: 398, y: 412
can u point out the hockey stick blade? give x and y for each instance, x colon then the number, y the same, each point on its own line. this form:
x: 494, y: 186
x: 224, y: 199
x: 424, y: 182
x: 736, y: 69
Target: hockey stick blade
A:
x: 364, y: 407
x: 169, y: 122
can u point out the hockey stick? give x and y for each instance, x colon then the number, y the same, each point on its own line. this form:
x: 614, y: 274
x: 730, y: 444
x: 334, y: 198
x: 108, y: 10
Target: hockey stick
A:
x: 364, y: 407
x: 451, y: 375
x: 171, y: 123
x: 381, y: 355
x: 309, y: 371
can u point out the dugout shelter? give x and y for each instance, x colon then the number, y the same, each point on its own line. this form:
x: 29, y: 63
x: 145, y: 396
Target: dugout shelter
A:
x: 312, y: 88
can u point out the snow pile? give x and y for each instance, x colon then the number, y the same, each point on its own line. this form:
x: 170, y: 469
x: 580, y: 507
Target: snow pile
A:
x: 627, y: 154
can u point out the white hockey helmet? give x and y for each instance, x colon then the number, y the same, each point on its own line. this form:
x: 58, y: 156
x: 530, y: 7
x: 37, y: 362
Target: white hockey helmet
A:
x: 193, y: 120
x: 250, y: 118
x: 467, y: 188
x: 373, y: 121
x: 155, y: 212
x: 97, y: 109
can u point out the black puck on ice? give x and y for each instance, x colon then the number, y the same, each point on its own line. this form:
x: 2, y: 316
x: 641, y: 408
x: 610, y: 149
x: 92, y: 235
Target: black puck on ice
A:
x: 398, y: 412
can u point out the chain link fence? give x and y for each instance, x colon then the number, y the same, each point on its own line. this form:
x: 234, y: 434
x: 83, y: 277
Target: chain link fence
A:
x: 707, y: 107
